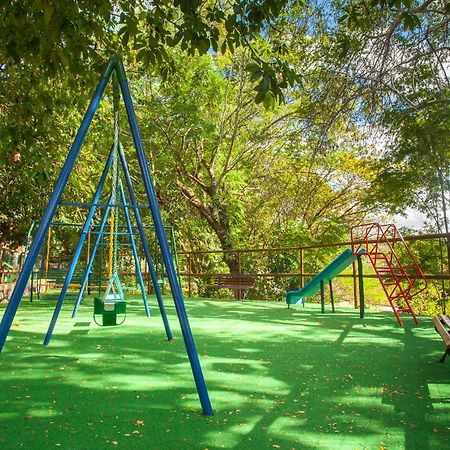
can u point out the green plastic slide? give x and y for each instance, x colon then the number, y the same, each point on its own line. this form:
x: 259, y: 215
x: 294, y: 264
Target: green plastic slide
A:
x: 332, y: 270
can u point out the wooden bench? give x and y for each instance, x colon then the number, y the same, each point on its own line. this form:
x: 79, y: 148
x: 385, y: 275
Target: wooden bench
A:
x: 239, y: 283
x: 442, y: 326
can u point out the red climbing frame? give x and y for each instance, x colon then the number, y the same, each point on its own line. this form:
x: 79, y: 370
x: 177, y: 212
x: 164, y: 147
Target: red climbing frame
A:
x: 395, y: 266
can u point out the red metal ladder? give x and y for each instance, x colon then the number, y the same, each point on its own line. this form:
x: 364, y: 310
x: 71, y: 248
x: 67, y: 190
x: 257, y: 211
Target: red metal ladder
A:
x: 394, y: 264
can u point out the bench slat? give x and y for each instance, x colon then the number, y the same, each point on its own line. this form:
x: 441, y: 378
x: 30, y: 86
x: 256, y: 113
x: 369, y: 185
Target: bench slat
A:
x: 445, y: 319
x: 442, y: 331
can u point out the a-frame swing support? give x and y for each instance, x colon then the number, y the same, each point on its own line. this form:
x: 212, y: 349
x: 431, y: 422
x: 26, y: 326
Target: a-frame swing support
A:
x: 114, y: 64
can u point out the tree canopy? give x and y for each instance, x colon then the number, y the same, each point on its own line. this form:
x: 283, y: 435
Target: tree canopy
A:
x: 265, y: 122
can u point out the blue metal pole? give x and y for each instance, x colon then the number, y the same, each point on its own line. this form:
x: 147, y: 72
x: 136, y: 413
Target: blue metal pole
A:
x: 88, y: 269
x: 135, y: 254
x: 78, y: 249
x: 21, y: 284
x: 147, y: 253
x: 165, y: 250
x: 175, y: 253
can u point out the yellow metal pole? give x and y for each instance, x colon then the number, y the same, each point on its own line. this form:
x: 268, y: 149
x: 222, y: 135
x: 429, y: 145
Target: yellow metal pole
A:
x: 111, y: 243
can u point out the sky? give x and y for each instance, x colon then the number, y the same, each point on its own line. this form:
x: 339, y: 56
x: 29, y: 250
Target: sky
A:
x: 412, y: 219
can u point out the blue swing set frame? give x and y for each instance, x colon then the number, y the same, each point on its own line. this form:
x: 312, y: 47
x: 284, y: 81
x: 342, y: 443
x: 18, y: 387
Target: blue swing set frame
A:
x: 115, y: 66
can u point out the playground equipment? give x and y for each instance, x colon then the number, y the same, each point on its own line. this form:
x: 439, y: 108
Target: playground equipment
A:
x: 116, y: 70
x: 393, y: 262
x: 112, y: 303
x: 317, y: 283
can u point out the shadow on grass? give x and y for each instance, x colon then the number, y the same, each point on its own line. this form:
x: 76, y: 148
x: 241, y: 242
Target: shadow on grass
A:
x: 278, y: 378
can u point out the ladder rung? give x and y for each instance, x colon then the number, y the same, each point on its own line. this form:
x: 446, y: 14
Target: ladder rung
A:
x: 393, y: 297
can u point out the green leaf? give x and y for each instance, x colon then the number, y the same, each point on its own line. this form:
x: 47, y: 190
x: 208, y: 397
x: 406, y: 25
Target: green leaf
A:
x: 223, y: 47
x: 268, y: 100
x: 125, y: 38
x: 257, y: 75
x: 141, y: 54
x: 260, y: 97
x: 48, y: 13
x: 63, y: 59
x: 264, y: 84
x: 177, y: 37
x: 203, y: 46
x: 252, y: 67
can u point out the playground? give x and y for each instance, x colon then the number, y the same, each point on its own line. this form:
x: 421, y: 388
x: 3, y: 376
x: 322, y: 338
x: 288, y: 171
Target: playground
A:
x: 103, y: 343
x: 278, y: 378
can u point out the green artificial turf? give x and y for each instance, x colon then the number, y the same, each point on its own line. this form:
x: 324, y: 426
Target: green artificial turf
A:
x: 277, y: 377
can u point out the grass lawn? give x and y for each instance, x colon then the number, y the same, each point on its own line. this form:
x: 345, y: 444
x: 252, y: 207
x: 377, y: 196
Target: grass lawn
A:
x: 278, y: 378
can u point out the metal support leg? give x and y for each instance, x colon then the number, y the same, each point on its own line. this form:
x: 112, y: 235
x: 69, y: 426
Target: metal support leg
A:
x: 331, y: 295
x: 162, y: 238
x: 144, y: 242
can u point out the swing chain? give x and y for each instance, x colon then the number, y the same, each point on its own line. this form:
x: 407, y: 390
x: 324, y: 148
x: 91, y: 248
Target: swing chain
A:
x: 116, y: 102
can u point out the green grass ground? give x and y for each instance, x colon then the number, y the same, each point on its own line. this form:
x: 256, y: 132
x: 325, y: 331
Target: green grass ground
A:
x: 278, y: 378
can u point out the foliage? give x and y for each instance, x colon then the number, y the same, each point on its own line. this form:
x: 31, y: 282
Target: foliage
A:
x: 71, y: 34
x: 416, y: 170
x: 397, y: 51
